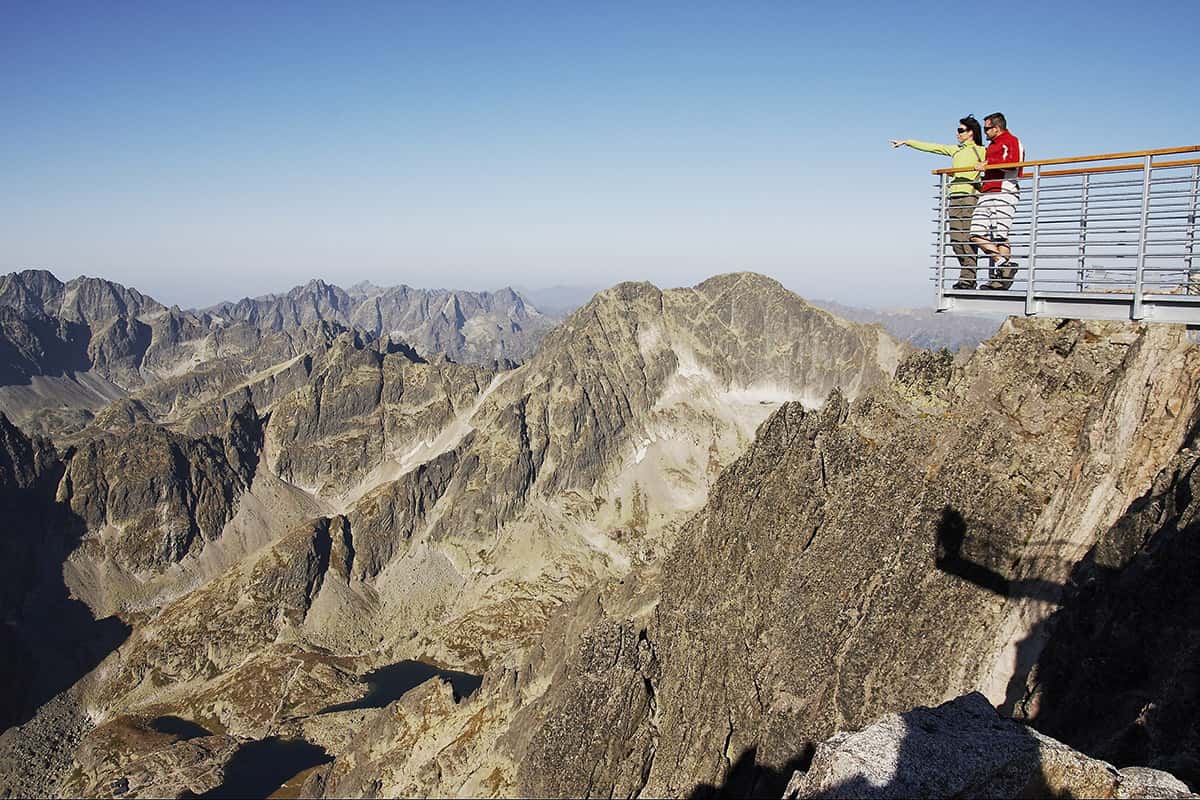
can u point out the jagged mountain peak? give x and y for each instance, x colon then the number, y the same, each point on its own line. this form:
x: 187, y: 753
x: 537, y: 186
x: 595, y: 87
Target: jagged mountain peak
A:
x: 318, y: 289
x: 87, y: 299
x: 30, y: 290
x: 83, y: 299
x: 740, y: 328
x: 746, y: 287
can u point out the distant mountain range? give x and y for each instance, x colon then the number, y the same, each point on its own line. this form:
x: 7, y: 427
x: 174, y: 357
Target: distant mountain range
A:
x: 470, y: 327
x: 69, y: 348
x: 923, y: 327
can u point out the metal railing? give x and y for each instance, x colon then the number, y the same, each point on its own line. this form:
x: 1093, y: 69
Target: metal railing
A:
x: 1111, y: 241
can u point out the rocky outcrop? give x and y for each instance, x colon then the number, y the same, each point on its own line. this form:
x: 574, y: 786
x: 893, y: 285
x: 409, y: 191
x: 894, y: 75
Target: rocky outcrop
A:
x: 913, y: 541
x: 963, y: 748
x: 151, y: 497
x: 360, y: 407
x: 129, y: 757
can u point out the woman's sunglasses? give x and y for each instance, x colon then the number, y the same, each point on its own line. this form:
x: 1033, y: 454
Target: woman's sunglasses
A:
x: 963, y: 130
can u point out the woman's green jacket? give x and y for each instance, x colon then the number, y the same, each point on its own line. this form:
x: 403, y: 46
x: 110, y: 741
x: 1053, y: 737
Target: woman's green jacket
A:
x: 963, y: 155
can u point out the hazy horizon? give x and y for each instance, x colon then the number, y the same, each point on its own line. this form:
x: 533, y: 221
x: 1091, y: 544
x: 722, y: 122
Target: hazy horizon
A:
x: 575, y: 295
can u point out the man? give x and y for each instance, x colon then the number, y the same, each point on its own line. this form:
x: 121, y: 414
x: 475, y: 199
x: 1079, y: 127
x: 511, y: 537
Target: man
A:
x: 998, y: 198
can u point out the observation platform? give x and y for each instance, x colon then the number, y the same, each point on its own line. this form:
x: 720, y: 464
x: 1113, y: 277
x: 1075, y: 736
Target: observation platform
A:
x: 1109, y: 237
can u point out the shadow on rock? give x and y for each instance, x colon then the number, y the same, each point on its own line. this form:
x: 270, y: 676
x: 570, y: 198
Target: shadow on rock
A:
x: 1119, y: 676
x: 746, y: 778
x: 49, y: 640
x: 37, y: 344
x: 952, y: 537
x: 952, y: 534
x: 1114, y: 671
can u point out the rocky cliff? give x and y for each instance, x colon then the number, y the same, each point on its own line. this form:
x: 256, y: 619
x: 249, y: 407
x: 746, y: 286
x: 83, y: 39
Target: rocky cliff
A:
x: 69, y: 349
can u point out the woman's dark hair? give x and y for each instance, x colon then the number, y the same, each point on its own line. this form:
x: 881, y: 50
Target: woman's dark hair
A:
x: 969, y: 121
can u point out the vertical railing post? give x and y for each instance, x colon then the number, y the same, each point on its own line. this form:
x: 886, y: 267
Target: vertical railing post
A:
x: 1193, y: 278
x: 943, y: 187
x: 1083, y: 213
x: 1136, y: 311
x: 1030, y: 307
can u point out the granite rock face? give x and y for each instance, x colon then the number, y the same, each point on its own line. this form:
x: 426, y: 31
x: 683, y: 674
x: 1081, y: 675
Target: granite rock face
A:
x: 1128, y: 631
x: 963, y: 748
x: 68, y: 349
x: 359, y: 407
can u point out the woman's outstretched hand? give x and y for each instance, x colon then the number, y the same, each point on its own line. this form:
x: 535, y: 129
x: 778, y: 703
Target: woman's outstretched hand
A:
x: 896, y: 142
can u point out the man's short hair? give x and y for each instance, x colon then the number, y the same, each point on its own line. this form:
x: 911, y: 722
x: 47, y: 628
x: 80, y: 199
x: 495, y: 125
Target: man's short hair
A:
x: 998, y: 120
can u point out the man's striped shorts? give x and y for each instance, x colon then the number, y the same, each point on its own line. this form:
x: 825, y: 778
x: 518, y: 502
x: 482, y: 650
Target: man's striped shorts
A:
x: 993, y: 215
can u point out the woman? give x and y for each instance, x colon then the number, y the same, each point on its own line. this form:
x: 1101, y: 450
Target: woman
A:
x: 964, y: 187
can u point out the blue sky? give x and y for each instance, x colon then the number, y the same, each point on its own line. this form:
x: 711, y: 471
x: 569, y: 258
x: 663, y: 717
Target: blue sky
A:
x: 206, y: 151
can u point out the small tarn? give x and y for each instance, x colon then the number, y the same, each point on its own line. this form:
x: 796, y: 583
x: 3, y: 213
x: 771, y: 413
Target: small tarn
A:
x: 392, y: 682
x: 259, y: 768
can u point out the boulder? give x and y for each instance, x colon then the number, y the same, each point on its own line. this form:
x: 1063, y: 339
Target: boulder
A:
x: 963, y: 748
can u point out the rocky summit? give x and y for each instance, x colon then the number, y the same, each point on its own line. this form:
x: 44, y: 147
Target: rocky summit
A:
x: 701, y: 541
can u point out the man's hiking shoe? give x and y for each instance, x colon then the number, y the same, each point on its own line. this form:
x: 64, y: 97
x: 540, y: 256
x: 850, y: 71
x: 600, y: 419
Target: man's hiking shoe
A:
x: 965, y: 285
x: 1002, y: 276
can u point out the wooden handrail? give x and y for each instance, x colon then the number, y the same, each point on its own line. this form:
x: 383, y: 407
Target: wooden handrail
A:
x: 1188, y: 162
x: 1195, y: 148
